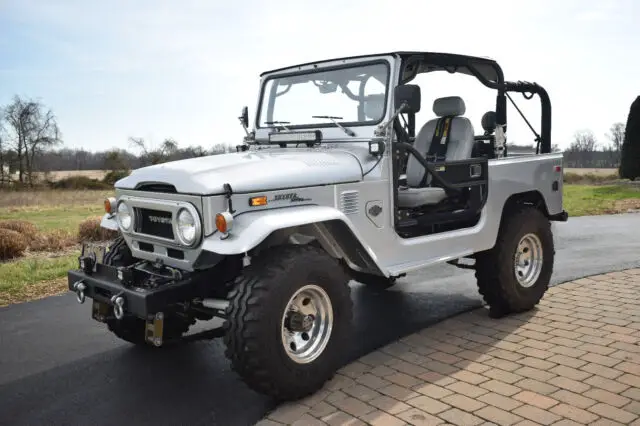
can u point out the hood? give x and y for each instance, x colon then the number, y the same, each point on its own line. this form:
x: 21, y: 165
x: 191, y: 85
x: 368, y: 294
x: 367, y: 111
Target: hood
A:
x: 263, y: 170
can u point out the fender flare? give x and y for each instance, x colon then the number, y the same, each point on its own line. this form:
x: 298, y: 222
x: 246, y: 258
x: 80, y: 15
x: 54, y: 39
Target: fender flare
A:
x: 250, y: 229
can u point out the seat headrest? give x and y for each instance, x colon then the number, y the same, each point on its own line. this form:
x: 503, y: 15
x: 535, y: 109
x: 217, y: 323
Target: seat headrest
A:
x: 489, y: 121
x: 374, y: 106
x: 451, y: 105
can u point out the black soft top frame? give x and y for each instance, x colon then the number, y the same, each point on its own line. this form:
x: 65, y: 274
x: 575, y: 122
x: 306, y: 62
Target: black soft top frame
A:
x: 486, y: 70
x: 489, y: 73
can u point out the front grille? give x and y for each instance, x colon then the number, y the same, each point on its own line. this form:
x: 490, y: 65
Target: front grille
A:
x: 157, y: 223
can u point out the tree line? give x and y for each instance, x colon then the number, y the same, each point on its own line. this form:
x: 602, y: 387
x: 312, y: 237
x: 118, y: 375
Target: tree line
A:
x: 31, y: 142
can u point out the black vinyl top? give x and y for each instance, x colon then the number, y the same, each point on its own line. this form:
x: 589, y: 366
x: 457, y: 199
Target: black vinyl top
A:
x: 429, y: 61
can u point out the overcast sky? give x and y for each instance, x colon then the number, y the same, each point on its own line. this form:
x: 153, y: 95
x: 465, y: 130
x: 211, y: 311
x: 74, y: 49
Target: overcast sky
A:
x: 183, y: 69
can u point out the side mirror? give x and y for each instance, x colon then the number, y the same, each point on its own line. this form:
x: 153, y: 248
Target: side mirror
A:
x: 409, y: 95
x: 244, y: 117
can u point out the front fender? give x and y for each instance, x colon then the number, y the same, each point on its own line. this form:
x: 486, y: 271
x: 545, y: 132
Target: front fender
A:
x: 251, y: 228
x: 109, y: 222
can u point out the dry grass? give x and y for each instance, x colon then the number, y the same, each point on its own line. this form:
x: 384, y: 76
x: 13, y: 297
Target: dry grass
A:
x: 34, y: 277
x: 40, y: 241
x: 64, y: 174
x: 34, y: 291
x: 592, y: 171
x: 52, y: 210
x: 590, y: 178
x: 12, y: 244
x: 90, y: 230
x: 54, y: 240
x: 46, y: 199
x: 91, y: 174
x: 27, y: 229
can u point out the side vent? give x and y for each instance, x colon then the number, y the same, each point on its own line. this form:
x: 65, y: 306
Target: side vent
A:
x: 349, y: 202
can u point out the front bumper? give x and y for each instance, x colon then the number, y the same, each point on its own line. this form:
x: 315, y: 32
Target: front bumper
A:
x: 103, y: 285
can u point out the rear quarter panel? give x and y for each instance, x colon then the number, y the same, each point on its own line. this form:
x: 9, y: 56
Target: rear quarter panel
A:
x: 515, y: 175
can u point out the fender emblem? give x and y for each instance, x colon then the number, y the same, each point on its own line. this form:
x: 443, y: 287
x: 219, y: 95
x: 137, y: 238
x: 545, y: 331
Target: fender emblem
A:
x: 291, y: 196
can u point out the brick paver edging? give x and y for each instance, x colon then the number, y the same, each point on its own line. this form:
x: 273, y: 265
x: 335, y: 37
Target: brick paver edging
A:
x: 575, y: 359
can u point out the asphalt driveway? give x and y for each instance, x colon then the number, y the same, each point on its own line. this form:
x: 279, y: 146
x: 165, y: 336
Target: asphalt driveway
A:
x: 57, y: 366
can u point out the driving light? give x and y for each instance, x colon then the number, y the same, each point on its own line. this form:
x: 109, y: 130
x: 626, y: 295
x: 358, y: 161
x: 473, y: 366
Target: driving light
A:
x: 187, y: 228
x: 124, y: 216
x: 110, y: 205
x: 315, y: 136
x: 224, y: 222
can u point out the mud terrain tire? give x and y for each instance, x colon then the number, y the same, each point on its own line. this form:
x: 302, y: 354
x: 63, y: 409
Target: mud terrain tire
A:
x: 256, y: 330
x: 525, y: 235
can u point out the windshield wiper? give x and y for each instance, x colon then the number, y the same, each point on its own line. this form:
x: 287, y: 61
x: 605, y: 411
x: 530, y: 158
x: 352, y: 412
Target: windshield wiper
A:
x: 281, y: 123
x: 329, y: 117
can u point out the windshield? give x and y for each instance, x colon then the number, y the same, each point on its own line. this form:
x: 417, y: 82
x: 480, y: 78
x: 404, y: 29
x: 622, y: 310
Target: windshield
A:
x: 351, y: 96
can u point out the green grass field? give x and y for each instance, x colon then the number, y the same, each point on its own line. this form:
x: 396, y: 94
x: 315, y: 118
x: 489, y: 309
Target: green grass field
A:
x: 33, y: 278
x: 40, y: 275
x: 583, y: 200
x: 50, y: 218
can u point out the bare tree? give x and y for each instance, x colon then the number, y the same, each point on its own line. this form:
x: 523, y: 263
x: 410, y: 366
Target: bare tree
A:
x: 583, y: 141
x: 32, y: 130
x: 168, y: 148
x: 46, y: 135
x: 114, y: 161
x: 4, y: 168
x: 616, y: 136
x: 219, y: 148
x: 583, y: 147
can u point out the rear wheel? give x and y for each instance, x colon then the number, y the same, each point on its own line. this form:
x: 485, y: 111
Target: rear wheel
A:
x: 289, y: 321
x: 515, y: 274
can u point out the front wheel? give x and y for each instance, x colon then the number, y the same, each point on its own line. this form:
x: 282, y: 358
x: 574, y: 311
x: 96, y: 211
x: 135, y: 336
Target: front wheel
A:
x: 515, y: 274
x: 289, y: 321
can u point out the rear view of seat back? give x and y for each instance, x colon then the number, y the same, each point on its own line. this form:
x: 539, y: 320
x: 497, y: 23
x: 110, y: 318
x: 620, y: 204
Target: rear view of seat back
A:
x: 461, y: 137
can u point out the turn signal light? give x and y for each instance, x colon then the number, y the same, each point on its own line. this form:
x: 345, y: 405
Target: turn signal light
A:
x: 224, y: 221
x: 109, y: 205
x: 258, y: 201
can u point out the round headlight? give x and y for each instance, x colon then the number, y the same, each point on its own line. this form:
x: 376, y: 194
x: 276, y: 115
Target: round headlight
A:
x: 124, y: 216
x: 187, y: 229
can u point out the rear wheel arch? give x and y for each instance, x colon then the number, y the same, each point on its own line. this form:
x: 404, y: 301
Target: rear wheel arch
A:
x: 529, y: 198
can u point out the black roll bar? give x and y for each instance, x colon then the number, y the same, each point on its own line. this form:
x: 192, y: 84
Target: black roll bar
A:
x: 524, y: 87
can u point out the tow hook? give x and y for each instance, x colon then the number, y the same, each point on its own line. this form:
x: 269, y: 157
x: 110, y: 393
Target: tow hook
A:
x: 118, y: 306
x: 79, y: 288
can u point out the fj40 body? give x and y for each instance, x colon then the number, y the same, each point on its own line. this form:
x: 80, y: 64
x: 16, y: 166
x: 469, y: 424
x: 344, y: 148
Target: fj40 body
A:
x: 336, y: 181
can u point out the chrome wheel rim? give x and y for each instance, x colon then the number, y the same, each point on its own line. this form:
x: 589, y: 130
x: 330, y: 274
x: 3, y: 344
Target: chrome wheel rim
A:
x: 306, y: 324
x: 528, y: 260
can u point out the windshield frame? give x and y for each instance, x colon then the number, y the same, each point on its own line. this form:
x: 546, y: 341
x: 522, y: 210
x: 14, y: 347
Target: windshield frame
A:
x: 321, y: 69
